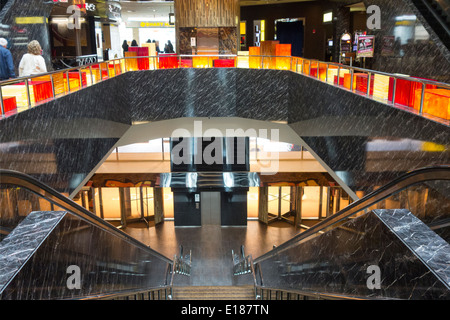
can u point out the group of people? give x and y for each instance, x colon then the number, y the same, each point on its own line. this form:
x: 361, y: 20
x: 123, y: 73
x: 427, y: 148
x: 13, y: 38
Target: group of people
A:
x: 168, y: 47
x: 31, y: 63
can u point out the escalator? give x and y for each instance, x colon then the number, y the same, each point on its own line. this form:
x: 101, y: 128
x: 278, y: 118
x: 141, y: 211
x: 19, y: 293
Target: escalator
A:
x: 52, y: 248
x: 437, y: 14
x: 391, y: 244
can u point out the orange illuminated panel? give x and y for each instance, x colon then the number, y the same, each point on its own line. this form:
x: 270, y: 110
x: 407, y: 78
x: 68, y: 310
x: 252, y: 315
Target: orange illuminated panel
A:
x: 74, y: 79
x: 305, y: 66
x: 268, y: 51
x: 283, y: 50
x: 200, y: 62
x: 131, y: 63
x: 436, y: 102
x: 254, y: 57
x: 347, y: 80
x: 332, y: 73
x: 323, y: 71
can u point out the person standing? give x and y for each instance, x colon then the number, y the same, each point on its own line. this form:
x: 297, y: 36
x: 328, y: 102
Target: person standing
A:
x: 32, y: 62
x: 125, y: 47
x: 6, y: 61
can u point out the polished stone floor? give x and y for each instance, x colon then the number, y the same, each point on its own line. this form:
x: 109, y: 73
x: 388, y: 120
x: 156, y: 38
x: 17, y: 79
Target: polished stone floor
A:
x: 211, y: 247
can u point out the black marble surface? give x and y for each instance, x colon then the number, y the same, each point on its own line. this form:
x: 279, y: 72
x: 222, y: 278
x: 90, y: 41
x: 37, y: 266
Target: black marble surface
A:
x: 19, y: 246
x: 412, y: 259
x: 107, y: 263
x: 426, y: 58
x: 78, y: 130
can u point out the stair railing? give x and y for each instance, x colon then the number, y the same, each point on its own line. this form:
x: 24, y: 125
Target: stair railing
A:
x: 183, y: 264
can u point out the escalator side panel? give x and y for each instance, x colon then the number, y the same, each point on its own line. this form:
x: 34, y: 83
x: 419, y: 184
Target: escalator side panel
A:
x: 19, y: 246
x: 342, y: 261
x: 105, y: 262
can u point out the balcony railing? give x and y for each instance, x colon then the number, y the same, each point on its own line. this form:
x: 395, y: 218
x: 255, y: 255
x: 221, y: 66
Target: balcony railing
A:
x: 427, y: 98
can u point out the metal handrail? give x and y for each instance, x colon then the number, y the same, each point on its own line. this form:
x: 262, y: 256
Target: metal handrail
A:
x: 401, y: 183
x: 9, y: 177
x: 120, y: 294
x: 123, y: 60
x: 317, y: 295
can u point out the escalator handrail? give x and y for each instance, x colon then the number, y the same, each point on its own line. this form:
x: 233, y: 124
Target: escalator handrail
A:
x: 408, y: 179
x: 16, y: 178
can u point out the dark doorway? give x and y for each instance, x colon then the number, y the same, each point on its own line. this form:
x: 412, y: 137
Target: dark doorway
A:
x: 291, y: 33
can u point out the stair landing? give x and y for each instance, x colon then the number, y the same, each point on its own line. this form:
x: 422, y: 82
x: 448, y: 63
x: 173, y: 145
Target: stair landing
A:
x: 214, y: 293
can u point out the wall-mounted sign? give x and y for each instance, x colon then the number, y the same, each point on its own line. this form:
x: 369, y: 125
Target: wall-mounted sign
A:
x: 366, y: 46
x: 160, y: 24
x: 148, y: 24
x: 193, y: 42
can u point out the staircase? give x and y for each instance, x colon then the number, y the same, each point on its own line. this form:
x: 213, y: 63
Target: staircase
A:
x: 214, y: 293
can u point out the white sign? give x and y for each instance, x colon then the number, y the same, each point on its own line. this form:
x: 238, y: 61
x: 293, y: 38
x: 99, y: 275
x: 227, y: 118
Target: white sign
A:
x: 193, y: 42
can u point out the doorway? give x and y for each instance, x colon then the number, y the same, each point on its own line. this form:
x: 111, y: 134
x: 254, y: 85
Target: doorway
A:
x: 210, y: 209
x: 291, y: 31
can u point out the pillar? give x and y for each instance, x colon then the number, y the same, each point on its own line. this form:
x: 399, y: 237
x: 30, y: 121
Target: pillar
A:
x: 263, y: 207
x: 158, y: 200
x: 207, y: 26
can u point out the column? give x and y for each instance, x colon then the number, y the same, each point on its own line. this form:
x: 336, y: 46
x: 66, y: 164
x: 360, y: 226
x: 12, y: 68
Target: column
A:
x: 207, y: 26
x: 158, y: 201
x: 263, y: 209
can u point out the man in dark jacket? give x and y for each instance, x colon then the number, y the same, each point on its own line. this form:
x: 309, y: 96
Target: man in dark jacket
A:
x: 6, y: 62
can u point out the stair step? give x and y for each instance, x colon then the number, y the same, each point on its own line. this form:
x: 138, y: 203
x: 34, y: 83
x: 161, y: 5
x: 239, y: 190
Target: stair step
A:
x: 214, y: 293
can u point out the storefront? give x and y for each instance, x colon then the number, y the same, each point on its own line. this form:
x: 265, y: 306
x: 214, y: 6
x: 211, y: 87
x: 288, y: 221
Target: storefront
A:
x: 160, y: 32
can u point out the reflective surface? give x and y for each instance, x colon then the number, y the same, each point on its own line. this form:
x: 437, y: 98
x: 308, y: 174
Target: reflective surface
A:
x: 358, y: 138
x: 42, y: 243
x: 404, y: 234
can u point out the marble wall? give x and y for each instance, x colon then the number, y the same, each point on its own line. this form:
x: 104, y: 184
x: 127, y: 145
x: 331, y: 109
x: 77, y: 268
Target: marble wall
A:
x: 76, y: 131
x: 341, y: 261
x: 419, y: 52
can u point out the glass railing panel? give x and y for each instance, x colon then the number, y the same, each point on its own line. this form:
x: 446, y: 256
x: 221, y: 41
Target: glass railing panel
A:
x: 243, y: 61
x: 255, y: 61
x: 186, y: 62
x: 381, y: 87
x: 17, y: 97
x: 168, y: 61
x: 131, y: 61
x: 436, y: 101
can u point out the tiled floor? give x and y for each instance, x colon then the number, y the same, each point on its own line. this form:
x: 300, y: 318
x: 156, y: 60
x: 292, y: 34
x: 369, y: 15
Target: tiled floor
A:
x: 211, y: 247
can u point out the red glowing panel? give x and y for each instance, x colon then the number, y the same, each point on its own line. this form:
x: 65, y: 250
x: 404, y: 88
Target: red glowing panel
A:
x: 9, y: 104
x: 361, y: 83
x: 168, y: 61
x: 143, y: 63
x: 223, y: 63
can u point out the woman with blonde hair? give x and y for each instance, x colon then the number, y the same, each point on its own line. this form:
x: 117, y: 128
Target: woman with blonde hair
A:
x: 32, y: 62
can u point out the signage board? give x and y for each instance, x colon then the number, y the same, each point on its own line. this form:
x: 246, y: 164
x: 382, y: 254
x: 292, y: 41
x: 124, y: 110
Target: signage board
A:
x: 366, y: 47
